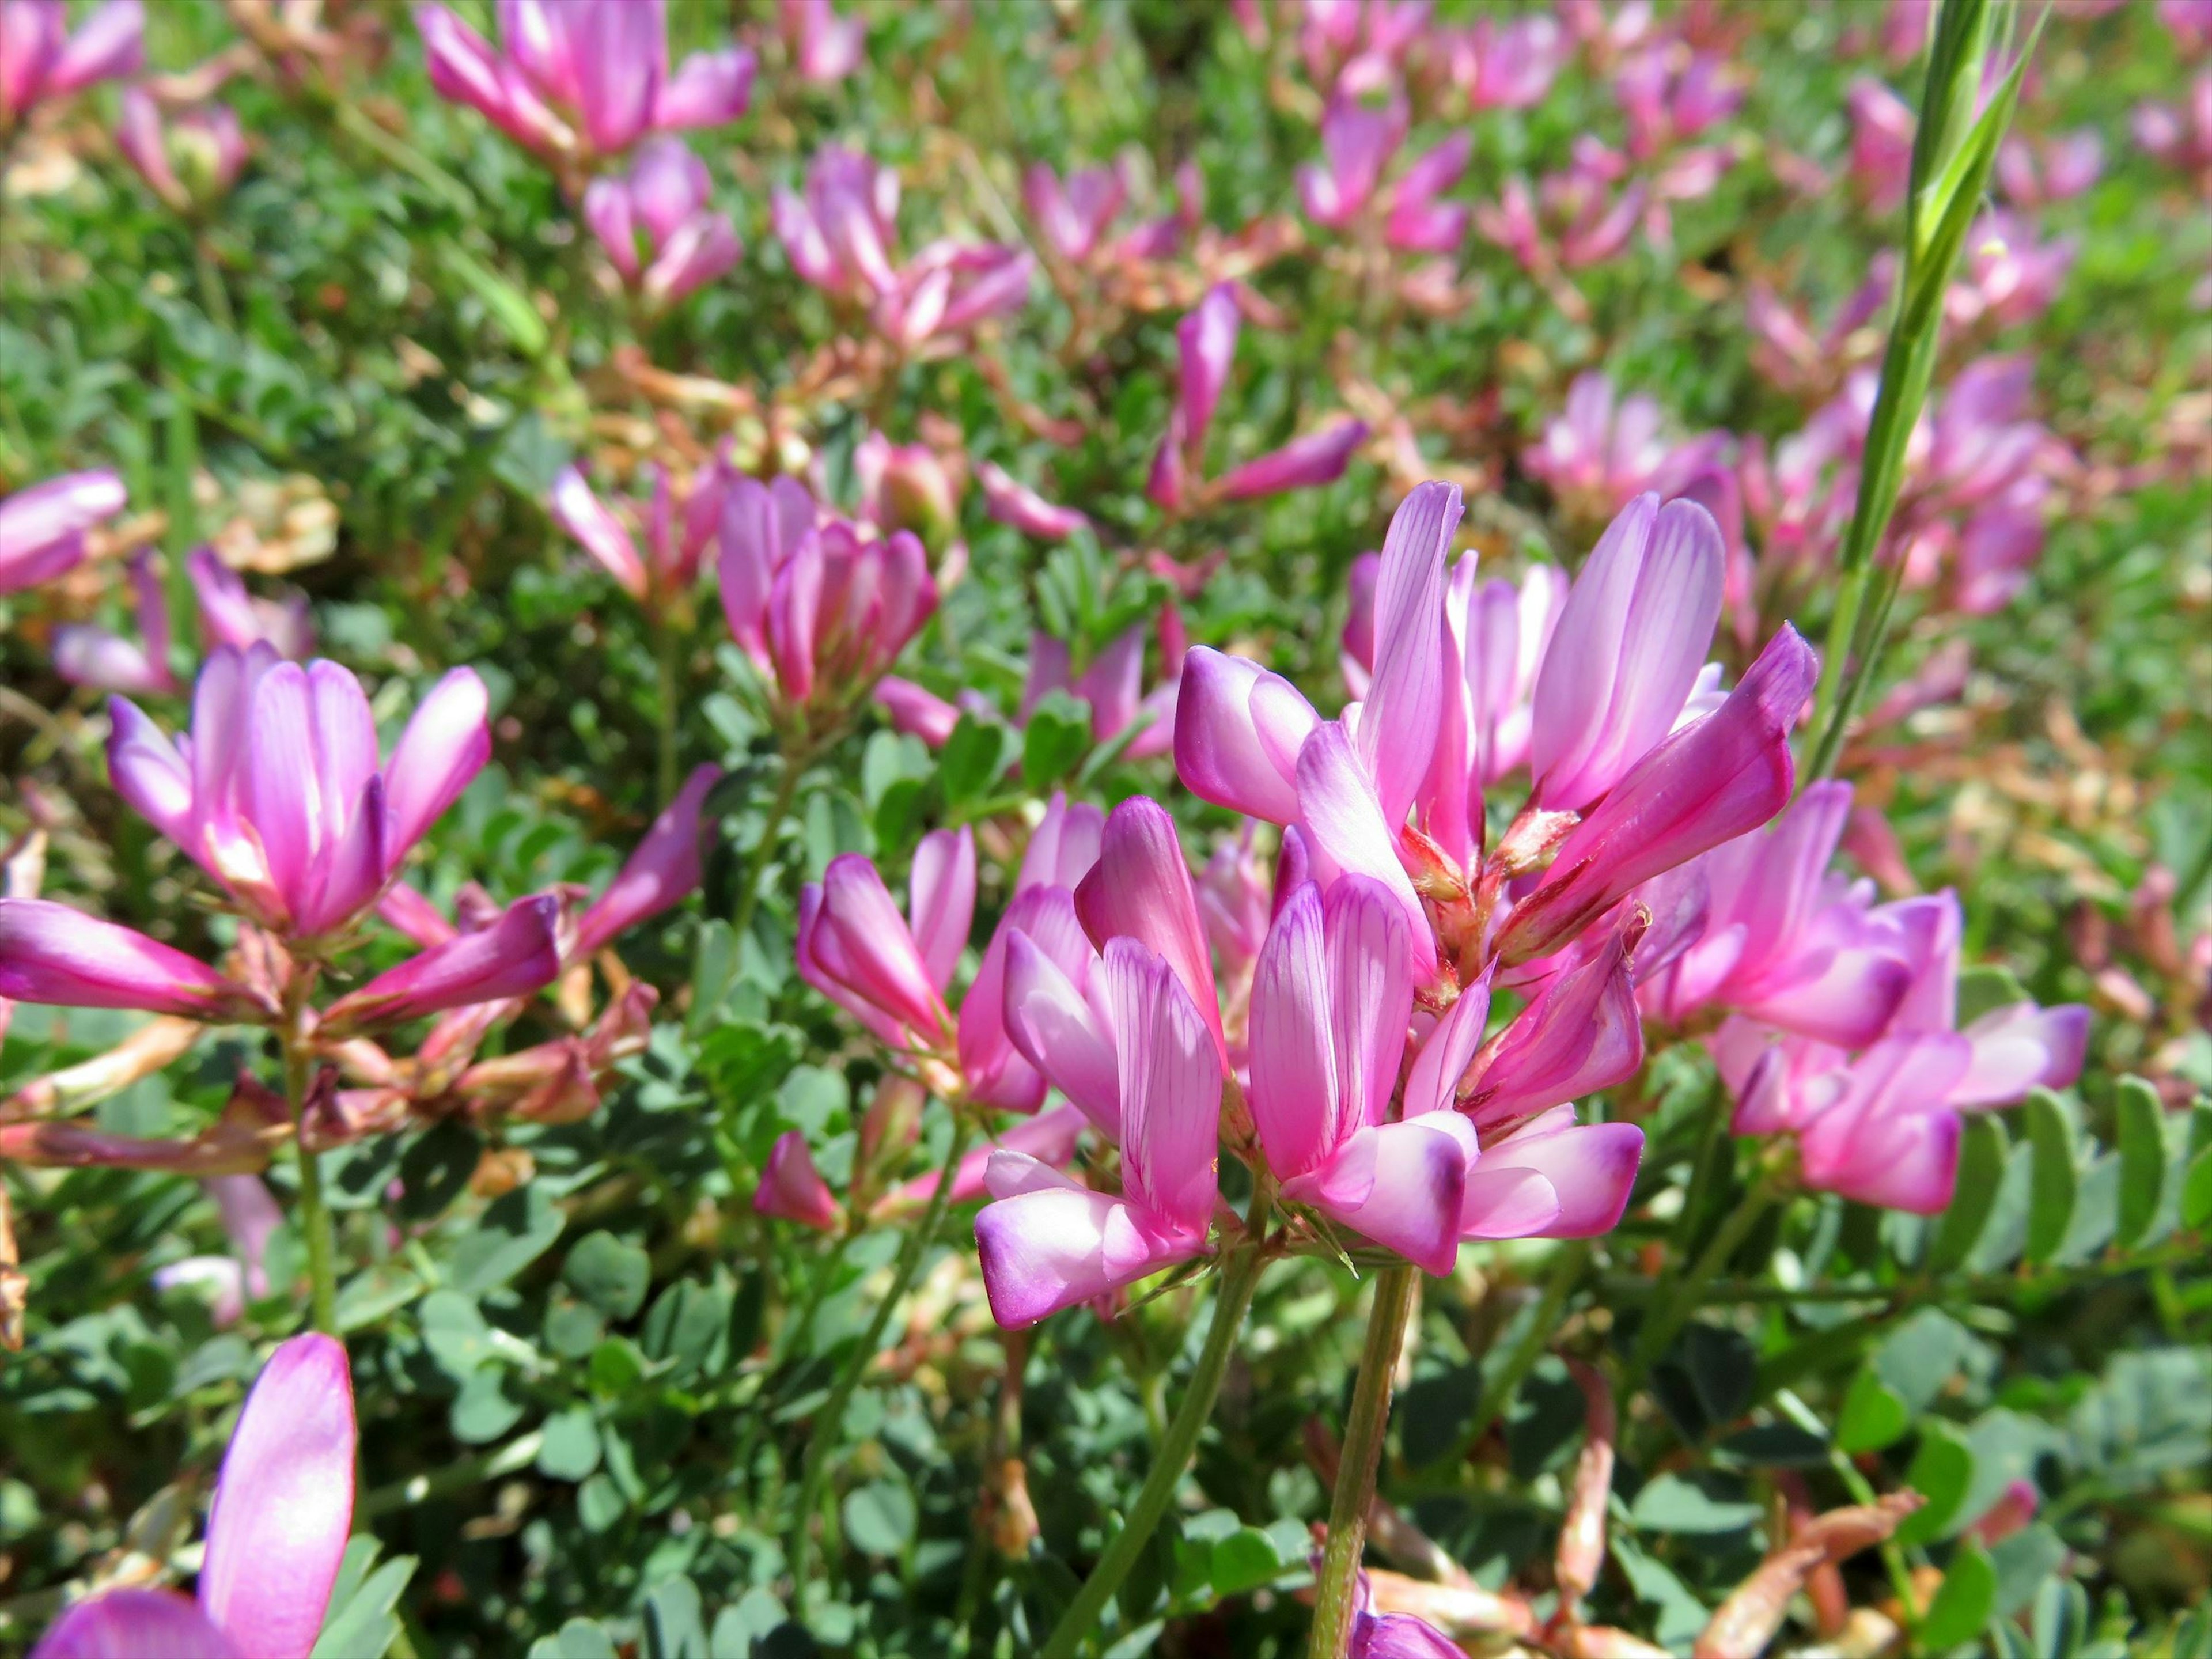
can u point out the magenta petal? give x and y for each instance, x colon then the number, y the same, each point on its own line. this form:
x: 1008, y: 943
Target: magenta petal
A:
x: 1338, y: 808
x: 1171, y: 1071
x: 1294, y: 1086
x: 1371, y: 997
x: 1591, y: 1169
x: 1502, y: 1201
x: 1399, y: 721
x: 1399, y: 1184
x: 284, y: 1503
x: 134, y: 1624
x: 518, y: 954
x: 1053, y: 1247
x: 1626, y: 649
x: 446, y: 744
x: 1207, y: 338
x: 2022, y: 1048
x: 53, y: 954
x: 1056, y: 1030
x: 791, y: 1189
x: 1306, y: 463
x: 1140, y: 889
x: 996, y: 1073
x: 1400, y: 1635
x: 1064, y: 845
x: 662, y: 871
x: 1707, y: 783
x: 916, y: 710
x: 1902, y: 1160
x: 941, y: 899
x: 1238, y: 732
x: 708, y: 89
x: 1443, y: 1059
x: 1580, y: 1034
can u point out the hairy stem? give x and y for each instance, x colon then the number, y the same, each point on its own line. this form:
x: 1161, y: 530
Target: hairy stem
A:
x: 1397, y: 1293
x: 1240, y: 1277
x: 830, y: 1421
x: 314, y: 1215
x: 786, y: 790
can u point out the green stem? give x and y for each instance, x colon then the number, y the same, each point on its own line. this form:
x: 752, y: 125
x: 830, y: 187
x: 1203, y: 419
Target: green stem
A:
x: 1497, y: 1393
x: 215, y: 298
x: 795, y: 763
x: 831, y: 1420
x: 1397, y: 1293
x: 1661, y: 1326
x: 314, y: 1214
x: 1240, y: 1277
x: 665, y: 668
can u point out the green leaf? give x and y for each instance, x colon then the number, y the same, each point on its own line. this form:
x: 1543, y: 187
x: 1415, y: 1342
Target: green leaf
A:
x: 1669, y: 1502
x: 1243, y: 1561
x: 1942, y: 1472
x: 880, y: 1518
x: 1872, y: 1416
x: 362, y: 1625
x: 1981, y: 1174
x: 570, y: 1448
x: 515, y: 1231
x: 609, y: 1273
x: 1058, y: 735
x: 2142, y: 1158
x: 2054, y: 1181
x: 674, y: 1621
x: 2197, y: 1191
x: 435, y: 1168
x: 454, y: 1332
x: 508, y: 305
x: 1984, y: 987
x: 2024, y: 1563
x: 580, y: 1638
x: 973, y: 758
x: 486, y: 1407
x: 1962, y: 1604
x: 1921, y: 1355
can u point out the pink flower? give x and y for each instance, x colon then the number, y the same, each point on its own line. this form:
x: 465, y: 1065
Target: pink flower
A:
x: 1883, y: 1127
x: 1330, y: 999
x: 1510, y: 64
x: 888, y: 971
x: 85, y: 655
x: 660, y: 873
x: 276, y: 1533
x: 40, y: 61
x: 1048, y: 1242
x: 1668, y: 97
x: 1881, y: 143
x: 824, y: 47
x: 1073, y: 217
x: 823, y: 609
x: 663, y: 201
x: 1626, y: 651
x: 515, y: 956
x: 669, y: 566
x: 1602, y: 451
x: 231, y: 615
x: 191, y: 162
x: 907, y: 487
x: 1358, y: 140
x: 582, y: 76
x: 1583, y: 214
x: 51, y: 954
x: 1787, y: 943
x: 42, y: 529
x: 2037, y: 171
x: 1062, y: 849
x: 840, y: 237
x: 792, y: 1189
x: 1010, y: 501
x: 1708, y: 782
x: 1207, y: 341
x: 279, y: 793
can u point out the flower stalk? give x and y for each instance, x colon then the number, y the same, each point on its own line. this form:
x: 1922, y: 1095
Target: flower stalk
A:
x: 315, y: 1226
x: 1240, y: 1277
x: 1397, y: 1293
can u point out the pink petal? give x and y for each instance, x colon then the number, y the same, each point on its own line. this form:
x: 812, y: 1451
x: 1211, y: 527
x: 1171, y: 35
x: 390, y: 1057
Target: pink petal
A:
x: 791, y: 1189
x: 1294, y: 1087
x: 2022, y: 1048
x: 1400, y: 1184
x: 283, y: 1503
x: 1398, y: 722
x: 517, y: 955
x: 133, y: 1624
x: 445, y: 745
x: 1338, y: 808
x: 1056, y: 1028
x: 1306, y: 463
x: 51, y: 954
x: 662, y: 871
x: 1238, y: 730
x: 1052, y: 1247
x: 1171, y: 1078
x: 1591, y: 1170
x: 1140, y: 889
x: 941, y: 899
